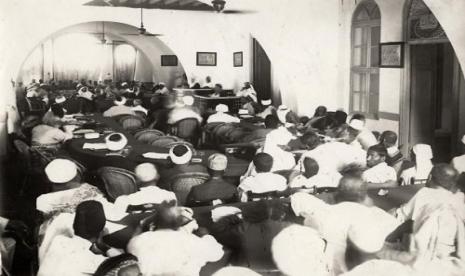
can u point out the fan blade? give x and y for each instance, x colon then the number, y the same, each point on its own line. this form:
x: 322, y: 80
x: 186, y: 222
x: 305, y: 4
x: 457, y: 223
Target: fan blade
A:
x: 146, y: 34
x: 238, y: 12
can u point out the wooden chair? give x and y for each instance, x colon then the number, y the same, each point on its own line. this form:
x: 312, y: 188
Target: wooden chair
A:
x: 117, y: 181
x: 147, y: 136
x: 187, y: 129
x: 131, y: 123
x: 165, y: 141
x: 182, y: 183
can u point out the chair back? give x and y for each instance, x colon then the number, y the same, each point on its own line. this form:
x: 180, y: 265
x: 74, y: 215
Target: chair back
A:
x: 182, y: 184
x: 117, y: 181
x: 131, y: 123
x: 147, y: 136
x: 187, y: 129
x: 165, y: 141
x: 140, y: 114
x: 24, y: 154
x: 262, y: 196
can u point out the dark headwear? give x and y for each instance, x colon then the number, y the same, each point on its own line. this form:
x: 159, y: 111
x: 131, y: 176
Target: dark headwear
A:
x: 89, y: 220
x: 263, y: 162
x: 117, y: 266
x: 57, y: 110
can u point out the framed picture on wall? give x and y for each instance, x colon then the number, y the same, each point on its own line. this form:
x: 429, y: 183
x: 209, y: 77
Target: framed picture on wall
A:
x: 169, y: 60
x: 206, y: 58
x: 391, y: 55
x: 237, y: 59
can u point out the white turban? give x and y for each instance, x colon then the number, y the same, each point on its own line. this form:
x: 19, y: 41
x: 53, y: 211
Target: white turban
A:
x: 423, y: 151
x: 61, y: 170
x: 357, y: 124
x: 116, y: 141
x: 222, y: 108
x: 60, y: 99
x: 188, y: 100
x: 120, y: 102
x: 224, y: 211
x: 146, y: 172
x: 180, y: 159
x: 299, y: 251
x: 235, y: 271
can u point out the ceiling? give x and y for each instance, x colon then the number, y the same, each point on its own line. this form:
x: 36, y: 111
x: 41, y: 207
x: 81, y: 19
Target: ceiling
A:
x: 192, y: 5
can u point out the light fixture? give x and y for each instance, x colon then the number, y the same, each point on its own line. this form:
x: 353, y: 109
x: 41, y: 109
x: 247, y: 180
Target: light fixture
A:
x: 218, y: 5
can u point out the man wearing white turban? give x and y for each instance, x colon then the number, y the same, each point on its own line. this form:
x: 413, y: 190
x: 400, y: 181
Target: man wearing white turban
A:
x: 119, y: 108
x: 221, y: 115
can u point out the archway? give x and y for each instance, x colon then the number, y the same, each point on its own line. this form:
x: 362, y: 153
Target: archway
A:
x: 149, y: 51
x: 431, y: 103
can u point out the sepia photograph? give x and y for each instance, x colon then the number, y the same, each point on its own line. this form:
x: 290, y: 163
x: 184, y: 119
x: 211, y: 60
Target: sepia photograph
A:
x: 232, y: 138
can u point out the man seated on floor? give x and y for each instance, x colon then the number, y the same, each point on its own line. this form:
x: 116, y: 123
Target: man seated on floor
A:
x: 183, y: 110
x: 216, y: 190
x: 264, y: 181
x: 394, y: 157
x: 222, y: 116
x: 119, y: 108
x: 313, y: 177
x: 180, y: 157
x: 365, y: 137
x: 379, y: 174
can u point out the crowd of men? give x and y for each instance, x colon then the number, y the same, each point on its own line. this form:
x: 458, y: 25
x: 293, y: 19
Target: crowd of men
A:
x: 296, y: 233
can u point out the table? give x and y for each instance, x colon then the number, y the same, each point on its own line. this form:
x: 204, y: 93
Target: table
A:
x: 94, y: 159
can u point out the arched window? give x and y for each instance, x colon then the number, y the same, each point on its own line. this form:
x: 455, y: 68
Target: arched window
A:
x: 366, y: 30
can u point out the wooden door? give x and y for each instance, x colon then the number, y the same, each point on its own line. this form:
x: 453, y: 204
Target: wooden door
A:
x: 261, y: 72
x: 423, y: 93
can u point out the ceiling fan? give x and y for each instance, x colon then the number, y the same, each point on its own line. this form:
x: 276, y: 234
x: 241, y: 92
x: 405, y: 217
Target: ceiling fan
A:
x: 142, y: 30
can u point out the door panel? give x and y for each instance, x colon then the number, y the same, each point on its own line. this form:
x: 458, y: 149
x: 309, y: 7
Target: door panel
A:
x: 423, y: 94
x: 261, y: 72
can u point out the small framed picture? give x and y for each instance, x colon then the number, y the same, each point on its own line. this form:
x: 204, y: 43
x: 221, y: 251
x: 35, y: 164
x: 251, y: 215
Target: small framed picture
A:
x: 237, y: 59
x: 391, y: 55
x: 206, y: 58
x: 169, y: 60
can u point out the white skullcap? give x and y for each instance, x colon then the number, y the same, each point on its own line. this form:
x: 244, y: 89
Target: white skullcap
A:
x: 423, y: 151
x: 234, y: 271
x: 146, y: 172
x: 188, y: 100
x: 121, y: 102
x: 217, y: 162
x: 266, y: 102
x: 380, y: 268
x: 222, y: 108
x: 60, y: 99
x: 243, y: 112
x: 184, y: 158
x: 299, y: 251
x: 116, y: 141
x: 31, y: 93
x: 224, y: 211
x: 356, y: 124
x: 61, y: 170
x: 79, y: 85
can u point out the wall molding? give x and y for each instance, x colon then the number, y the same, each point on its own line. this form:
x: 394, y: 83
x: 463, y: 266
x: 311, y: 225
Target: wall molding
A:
x: 389, y: 116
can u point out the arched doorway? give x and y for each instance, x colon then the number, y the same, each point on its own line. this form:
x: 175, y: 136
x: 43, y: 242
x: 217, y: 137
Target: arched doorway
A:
x: 105, y: 51
x: 430, y: 107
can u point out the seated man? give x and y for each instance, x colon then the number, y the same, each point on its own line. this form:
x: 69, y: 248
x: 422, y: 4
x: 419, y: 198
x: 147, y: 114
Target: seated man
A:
x: 49, y: 132
x: 183, y: 110
x: 247, y: 92
x: 218, y: 91
x: 221, y: 115
x: 394, y: 157
x: 215, y: 190
x: 119, y: 108
x: 271, y: 123
x: 265, y: 109
x: 180, y: 157
x: 287, y: 116
x: 264, y: 181
x: 276, y: 145
x: 313, y: 177
x: 421, y: 155
x: 379, y: 174
x: 459, y: 161
x: 365, y: 137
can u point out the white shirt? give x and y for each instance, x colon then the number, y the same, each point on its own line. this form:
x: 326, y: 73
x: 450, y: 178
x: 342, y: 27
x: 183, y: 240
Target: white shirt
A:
x: 366, y: 138
x: 334, y: 156
x: 220, y: 117
x: 459, y: 163
x: 263, y: 182
x: 420, y: 172
x: 118, y: 110
x: 150, y: 194
x: 379, y: 174
x: 324, y: 179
